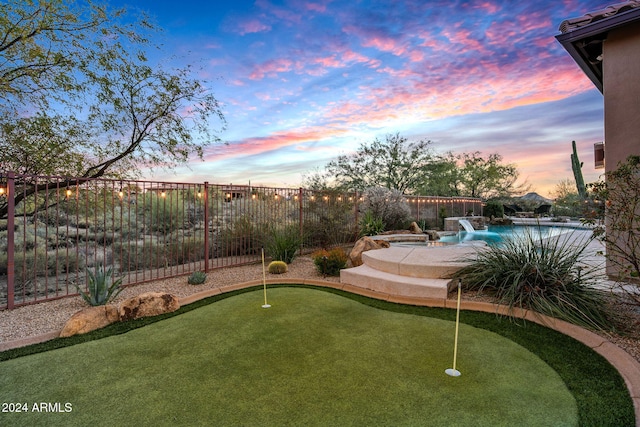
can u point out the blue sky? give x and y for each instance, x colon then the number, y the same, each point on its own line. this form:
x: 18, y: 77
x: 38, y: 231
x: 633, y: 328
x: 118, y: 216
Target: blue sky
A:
x: 302, y: 82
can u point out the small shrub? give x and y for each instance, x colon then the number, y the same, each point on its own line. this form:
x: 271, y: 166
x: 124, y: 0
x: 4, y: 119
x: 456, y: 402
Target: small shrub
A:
x: 277, y: 267
x: 101, y: 287
x: 197, y: 278
x: 329, y: 263
x: 371, y: 225
x: 281, y: 244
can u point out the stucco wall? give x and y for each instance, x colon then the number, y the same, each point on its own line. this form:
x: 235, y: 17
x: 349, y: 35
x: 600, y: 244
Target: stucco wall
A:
x: 621, y: 87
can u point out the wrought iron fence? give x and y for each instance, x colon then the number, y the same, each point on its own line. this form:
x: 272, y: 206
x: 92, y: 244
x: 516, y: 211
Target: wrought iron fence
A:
x: 54, y: 229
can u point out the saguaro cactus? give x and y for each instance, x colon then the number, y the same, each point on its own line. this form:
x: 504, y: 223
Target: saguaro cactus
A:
x: 576, y: 165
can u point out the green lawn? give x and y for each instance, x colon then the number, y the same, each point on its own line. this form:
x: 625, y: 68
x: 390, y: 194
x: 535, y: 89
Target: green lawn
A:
x: 315, y: 357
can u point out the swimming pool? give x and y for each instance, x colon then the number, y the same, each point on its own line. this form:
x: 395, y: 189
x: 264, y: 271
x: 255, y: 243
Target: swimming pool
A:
x: 496, y: 234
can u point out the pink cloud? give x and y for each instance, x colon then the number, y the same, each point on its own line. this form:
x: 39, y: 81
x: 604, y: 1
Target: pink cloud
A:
x: 275, y: 141
x: 316, y: 7
x: 271, y: 68
x: 252, y: 26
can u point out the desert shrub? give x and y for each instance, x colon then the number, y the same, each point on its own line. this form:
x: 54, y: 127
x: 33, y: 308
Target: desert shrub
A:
x: 63, y: 262
x: 163, y: 214
x: 619, y: 195
x: 370, y: 225
x: 133, y: 256
x: 544, y: 275
x: 28, y: 265
x: 184, y: 250
x: 101, y: 287
x: 282, y: 243
x: 493, y: 209
x: 329, y: 219
x: 197, y: 278
x: 329, y: 263
x: 241, y: 237
x: 277, y: 267
x: 388, y: 205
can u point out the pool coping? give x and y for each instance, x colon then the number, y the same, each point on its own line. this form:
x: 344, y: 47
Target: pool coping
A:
x: 625, y: 364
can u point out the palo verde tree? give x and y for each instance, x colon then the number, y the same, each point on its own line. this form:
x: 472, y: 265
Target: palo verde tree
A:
x: 116, y: 112
x: 393, y: 163
x: 472, y: 175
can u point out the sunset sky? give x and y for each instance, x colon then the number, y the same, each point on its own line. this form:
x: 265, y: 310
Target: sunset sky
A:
x: 301, y: 82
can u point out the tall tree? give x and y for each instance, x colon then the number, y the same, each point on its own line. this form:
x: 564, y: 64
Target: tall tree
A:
x: 42, y: 43
x: 487, y: 177
x: 394, y: 163
x: 115, y: 111
x: 472, y: 175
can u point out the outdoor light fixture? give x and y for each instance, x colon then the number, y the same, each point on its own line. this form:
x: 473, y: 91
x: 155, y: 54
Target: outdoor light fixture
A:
x: 163, y: 194
x: 3, y: 191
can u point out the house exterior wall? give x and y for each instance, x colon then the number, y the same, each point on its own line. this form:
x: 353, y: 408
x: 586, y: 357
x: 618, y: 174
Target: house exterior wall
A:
x: 621, y: 89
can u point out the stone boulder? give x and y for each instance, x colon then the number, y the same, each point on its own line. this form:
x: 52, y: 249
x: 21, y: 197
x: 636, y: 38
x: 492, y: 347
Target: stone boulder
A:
x: 433, y: 234
x: 148, y: 304
x: 362, y: 245
x: 414, y: 228
x: 89, y: 319
x: 500, y: 221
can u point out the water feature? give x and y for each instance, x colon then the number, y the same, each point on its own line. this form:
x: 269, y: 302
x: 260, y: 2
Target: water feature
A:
x: 468, y: 227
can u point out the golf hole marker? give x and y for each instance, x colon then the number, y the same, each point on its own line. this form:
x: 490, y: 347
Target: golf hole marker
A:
x: 264, y: 283
x: 453, y: 371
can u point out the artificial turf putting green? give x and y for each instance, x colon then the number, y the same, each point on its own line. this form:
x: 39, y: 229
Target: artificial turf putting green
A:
x: 313, y: 358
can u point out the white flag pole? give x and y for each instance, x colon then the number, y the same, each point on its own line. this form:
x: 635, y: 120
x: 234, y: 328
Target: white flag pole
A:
x: 453, y: 371
x: 264, y: 283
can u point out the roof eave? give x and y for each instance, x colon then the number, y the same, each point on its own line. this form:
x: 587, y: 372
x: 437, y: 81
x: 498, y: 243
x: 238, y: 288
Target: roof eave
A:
x: 594, y: 30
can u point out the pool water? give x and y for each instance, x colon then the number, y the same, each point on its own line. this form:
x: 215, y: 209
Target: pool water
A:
x: 496, y: 234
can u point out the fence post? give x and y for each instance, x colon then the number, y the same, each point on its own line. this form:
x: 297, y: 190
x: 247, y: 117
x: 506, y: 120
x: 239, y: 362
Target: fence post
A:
x: 11, y: 211
x: 300, y: 217
x: 206, y: 226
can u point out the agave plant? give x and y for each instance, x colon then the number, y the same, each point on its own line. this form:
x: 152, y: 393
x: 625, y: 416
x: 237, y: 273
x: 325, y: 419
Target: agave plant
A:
x: 197, y: 278
x: 548, y: 276
x: 101, y: 287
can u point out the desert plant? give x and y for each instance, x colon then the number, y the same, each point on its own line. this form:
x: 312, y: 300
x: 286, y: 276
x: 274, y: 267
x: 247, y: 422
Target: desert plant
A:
x: 197, y: 278
x: 241, y: 237
x: 329, y: 263
x: 277, y: 267
x: 544, y: 275
x: 101, y: 287
x: 371, y: 225
x: 282, y: 243
x: 163, y: 212
x: 576, y: 166
x: 388, y: 205
x: 619, y: 194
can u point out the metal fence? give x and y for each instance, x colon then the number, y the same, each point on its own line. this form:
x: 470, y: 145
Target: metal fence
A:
x: 53, y: 230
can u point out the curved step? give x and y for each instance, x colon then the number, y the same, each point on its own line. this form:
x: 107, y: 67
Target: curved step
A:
x: 367, y: 277
x: 435, y: 262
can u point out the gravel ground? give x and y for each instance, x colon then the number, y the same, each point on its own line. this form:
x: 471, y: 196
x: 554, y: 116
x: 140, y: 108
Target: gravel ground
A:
x: 47, y: 317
